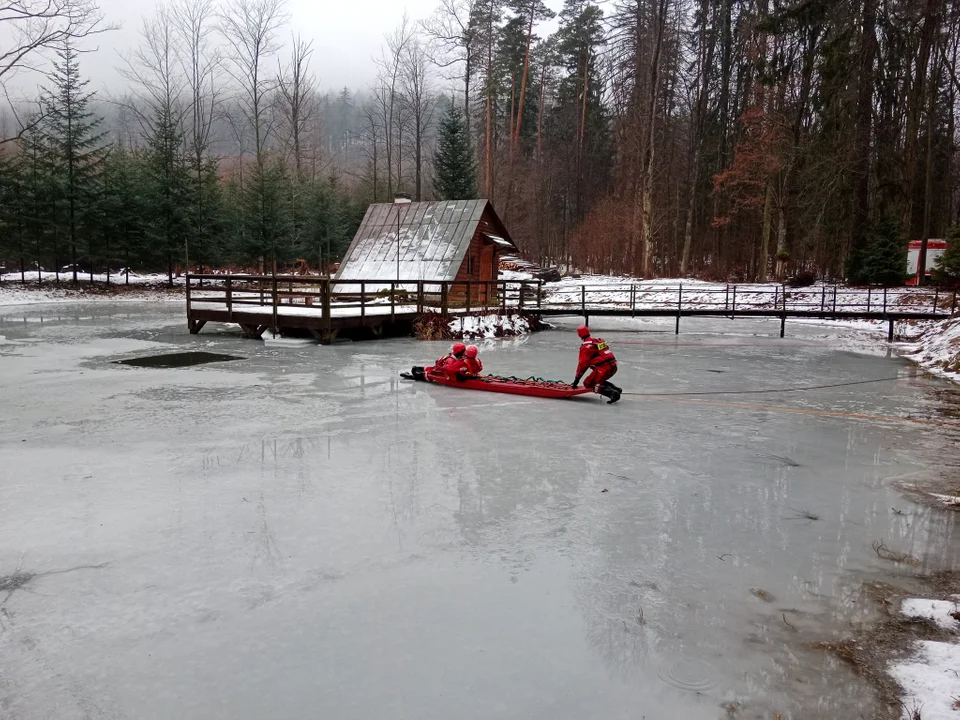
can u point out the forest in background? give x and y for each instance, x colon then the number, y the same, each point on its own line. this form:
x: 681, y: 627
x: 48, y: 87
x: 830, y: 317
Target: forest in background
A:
x: 724, y: 139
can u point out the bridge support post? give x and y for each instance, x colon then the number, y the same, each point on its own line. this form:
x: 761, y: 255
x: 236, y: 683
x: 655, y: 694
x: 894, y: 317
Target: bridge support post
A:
x: 890, y: 331
x: 783, y: 324
x: 676, y: 330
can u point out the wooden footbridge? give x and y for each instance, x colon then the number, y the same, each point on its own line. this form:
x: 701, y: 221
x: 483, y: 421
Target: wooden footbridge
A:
x: 325, y: 308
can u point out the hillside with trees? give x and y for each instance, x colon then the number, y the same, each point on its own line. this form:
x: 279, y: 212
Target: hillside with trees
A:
x: 741, y: 139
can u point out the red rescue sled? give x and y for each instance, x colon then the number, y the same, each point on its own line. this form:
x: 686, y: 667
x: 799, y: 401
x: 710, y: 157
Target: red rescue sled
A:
x: 533, y: 387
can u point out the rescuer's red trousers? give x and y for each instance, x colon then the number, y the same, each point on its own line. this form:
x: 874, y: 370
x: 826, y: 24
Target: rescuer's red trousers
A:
x: 599, y: 374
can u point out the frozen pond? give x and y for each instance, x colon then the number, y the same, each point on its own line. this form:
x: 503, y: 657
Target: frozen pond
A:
x: 300, y: 533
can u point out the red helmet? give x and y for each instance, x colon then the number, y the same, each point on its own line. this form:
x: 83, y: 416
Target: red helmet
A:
x: 458, y: 348
x: 472, y: 351
x: 583, y: 331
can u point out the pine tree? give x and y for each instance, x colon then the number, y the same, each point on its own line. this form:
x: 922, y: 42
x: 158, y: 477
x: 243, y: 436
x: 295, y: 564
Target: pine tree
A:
x: 41, y: 197
x: 77, y: 148
x: 168, y: 182
x: 454, y: 165
x: 948, y: 264
x: 883, y: 260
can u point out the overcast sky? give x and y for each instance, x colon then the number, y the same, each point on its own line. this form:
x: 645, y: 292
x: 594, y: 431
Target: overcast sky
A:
x: 346, y: 35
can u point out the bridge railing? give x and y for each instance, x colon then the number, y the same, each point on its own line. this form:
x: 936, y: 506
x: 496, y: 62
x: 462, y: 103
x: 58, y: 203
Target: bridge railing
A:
x: 818, y: 300
x: 326, y: 297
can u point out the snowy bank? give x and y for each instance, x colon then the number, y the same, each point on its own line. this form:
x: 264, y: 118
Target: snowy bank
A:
x: 473, y: 327
x: 929, y: 678
x: 120, y: 288
x: 937, y: 348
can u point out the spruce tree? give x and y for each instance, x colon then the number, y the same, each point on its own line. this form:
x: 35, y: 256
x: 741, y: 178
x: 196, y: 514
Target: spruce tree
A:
x: 41, y: 197
x: 948, y: 264
x: 455, y: 166
x: 77, y: 147
x: 883, y: 259
x: 168, y: 183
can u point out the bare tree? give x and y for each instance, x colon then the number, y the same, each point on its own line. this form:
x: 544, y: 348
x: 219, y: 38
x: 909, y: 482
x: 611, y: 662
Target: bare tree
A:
x: 29, y: 28
x: 389, y: 76
x: 250, y: 29
x: 201, y: 64
x: 155, y: 69
x: 298, y: 105
x: 452, y: 36
x: 418, y: 99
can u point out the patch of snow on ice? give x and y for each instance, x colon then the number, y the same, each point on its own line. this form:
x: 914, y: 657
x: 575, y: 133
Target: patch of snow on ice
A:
x: 939, y: 611
x: 929, y: 680
x: 949, y: 500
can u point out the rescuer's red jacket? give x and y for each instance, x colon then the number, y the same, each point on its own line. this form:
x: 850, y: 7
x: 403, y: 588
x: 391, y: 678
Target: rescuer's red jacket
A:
x: 594, y: 352
x: 473, y: 366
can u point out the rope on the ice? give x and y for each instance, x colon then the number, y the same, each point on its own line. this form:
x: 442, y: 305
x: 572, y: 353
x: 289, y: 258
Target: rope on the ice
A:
x: 771, y: 390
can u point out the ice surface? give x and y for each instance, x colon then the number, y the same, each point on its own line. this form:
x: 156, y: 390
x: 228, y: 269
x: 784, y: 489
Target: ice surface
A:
x: 303, y: 534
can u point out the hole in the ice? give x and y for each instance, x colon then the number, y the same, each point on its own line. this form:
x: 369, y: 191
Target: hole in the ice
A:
x: 176, y: 360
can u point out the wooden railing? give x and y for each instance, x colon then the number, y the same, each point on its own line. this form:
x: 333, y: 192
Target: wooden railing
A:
x: 236, y: 293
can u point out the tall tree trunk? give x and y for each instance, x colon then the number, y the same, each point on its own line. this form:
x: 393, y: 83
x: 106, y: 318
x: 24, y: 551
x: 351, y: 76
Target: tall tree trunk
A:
x: 928, y: 176
x: 515, y: 142
x: 864, y: 124
x: 646, y: 228
x: 765, y: 233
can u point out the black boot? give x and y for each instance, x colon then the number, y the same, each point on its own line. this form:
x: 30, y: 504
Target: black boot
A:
x: 611, y: 392
x: 418, y: 373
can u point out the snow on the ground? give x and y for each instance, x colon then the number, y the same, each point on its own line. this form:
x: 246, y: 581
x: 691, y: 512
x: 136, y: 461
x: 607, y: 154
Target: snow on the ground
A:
x: 937, y: 348
x: 471, y: 327
x: 139, y: 289
x: 930, y: 681
x: 939, y: 611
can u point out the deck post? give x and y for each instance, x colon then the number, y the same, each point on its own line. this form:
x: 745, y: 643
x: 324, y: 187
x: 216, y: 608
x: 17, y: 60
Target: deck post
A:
x: 676, y: 330
x: 936, y: 296
x: 823, y: 299
x: 953, y: 307
x: 393, y: 301
x: 503, y: 298
x: 363, y: 302
x: 890, y: 332
x: 229, y: 299
x: 884, y: 301
x: 188, y: 303
x: 325, y: 302
x: 776, y: 296
x: 733, y: 310
x: 520, y: 301
x: 583, y: 303
x: 834, y: 302
x: 444, y: 298
x: 468, y: 295
x: 633, y: 300
x: 869, y: 293
x: 420, y: 296
x: 726, y: 297
x: 276, y: 299
x: 783, y: 322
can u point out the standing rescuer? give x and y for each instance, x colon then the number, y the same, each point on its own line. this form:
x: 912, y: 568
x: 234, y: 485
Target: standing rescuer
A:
x: 596, y: 355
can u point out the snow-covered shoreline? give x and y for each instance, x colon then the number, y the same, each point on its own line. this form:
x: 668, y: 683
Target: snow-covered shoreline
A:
x: 928, y: 677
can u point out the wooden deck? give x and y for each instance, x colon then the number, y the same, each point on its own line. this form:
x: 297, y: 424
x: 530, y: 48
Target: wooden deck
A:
x: 324, y: 308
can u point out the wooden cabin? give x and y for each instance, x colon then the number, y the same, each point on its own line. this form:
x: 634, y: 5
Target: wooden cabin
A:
x: 447, y: 240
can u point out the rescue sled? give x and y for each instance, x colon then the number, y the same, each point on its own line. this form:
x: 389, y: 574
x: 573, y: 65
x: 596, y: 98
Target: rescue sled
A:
x: 532, y: 387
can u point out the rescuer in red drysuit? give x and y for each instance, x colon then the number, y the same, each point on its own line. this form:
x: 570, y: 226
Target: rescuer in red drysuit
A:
x: 596, y: 355
x: 452, y: 358
x: 472, y: 363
